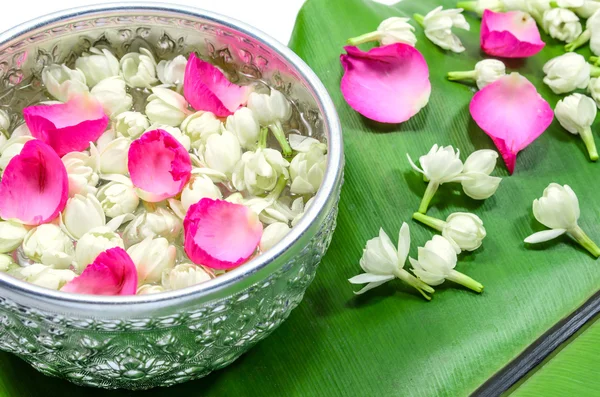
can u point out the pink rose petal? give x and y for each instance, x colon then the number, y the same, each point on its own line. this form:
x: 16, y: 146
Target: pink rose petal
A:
x: 206, y: 88
x: 220, y: 234
x: 112, y: 273
x: 159, y: 165
x: 389, y: 84
x: 67, y: 127
x: 512, y: 113
x: 35, y: 186
x: 512, y: 34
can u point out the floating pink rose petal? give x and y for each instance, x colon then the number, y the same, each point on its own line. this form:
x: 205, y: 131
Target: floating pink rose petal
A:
x: 512, y: 34
x: 112, y: 273
x: 67, y: 127
x: 220, y: 234
x: 512, y: 113
x: 34, y: 186
x: 159, y: 166
x: 206, y: 88
x: 389, y: 84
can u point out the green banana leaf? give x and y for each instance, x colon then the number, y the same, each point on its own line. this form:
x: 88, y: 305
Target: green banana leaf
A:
x: 390, y: 341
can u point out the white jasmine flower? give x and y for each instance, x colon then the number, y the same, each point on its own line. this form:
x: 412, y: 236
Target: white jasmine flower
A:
x: 567, y: 73
x: 199, y: 126
x: 165, y: 106
x: 271, y: 110
x: 440, y: 165
x: 438, y: 25
x: 21, y: 130
x: 151, y: 258
x: 594, y: 90
x: 382, y: 262
x: 436, y: 263
x: 172, y: 72
x: 301, y: 143
x: 43, y: 276
x: 258, y: 171
x: 587, y: 9
x: 476, y: 180
x: 464, y: 230
x: 62, y: 82
x: 307, y: 170
x: 184, y: 275
x: 214, y: 175
x: 11, y: 148
x: 112, y: 94
x: 562, y: 24
x: 391, y: 30
x: 107, y: 137
x: 199, y: 187
x: 591, y: 34
x: 4, y: 121
x: 82, y: 214
x: 93, y: 243
x: 139, y: 69
x: 273, y: 234
x: 558, y: 209
x: 82, y: 172
x: 131, y: 124
x: 11, y: 236
x: 222, y: 152
x: 114, y: 156
x: 301, y: 212
x: 177, y: 208
x: 158, y: 223
x: 486, y: 72
x: 49, y: 245
x: 536, y: 8
x: 97, y: 65
x: 283, y: 210
x: 176, y: 133
x: 244, y: 125
x: 118, y: 198
x: 576, y: 113
x: 6, y: 263
x: 150, y: 289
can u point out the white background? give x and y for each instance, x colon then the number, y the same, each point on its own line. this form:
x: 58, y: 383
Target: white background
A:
x: 275, y: 17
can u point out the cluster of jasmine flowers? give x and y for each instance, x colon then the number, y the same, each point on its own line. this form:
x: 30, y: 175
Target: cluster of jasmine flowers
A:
x: 563, y: 74
x: 108, y: 208
x: 437, y: 26
x: 507, y: 108
x: 461, y: 231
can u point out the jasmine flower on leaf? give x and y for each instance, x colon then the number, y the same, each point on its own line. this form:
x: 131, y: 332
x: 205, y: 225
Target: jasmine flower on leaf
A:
x: 477, y: 182
x: 382, y: 262
x: 439, y: 166
x: 576, y: 113
x: 436, y: 263
x: 390, y: 31
x: 562, y: 24
x: 558, y: 209
x: 464, y: 230
x: 438, y: 25
x: 486, y: 72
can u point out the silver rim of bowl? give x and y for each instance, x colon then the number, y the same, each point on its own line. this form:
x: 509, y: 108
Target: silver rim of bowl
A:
x: 328, y: 187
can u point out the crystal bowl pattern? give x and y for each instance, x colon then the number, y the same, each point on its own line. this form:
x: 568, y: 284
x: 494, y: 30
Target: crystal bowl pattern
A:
x: 146, y: 341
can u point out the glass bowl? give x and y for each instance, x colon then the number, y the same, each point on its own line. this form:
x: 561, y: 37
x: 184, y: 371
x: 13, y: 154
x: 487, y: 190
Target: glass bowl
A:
x: 139, y: 342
